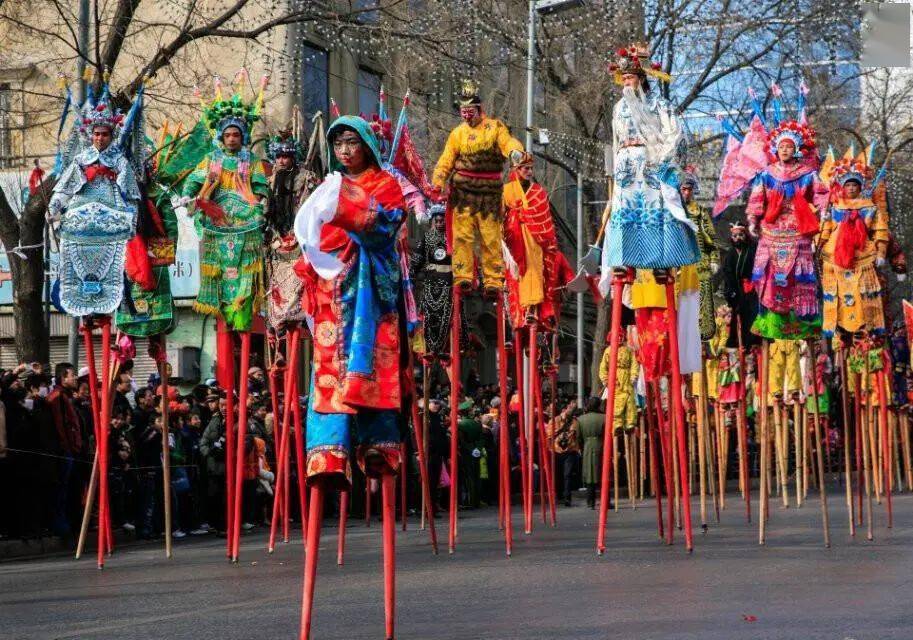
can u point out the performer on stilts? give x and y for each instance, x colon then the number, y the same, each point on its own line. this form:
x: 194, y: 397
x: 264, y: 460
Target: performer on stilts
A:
x: 228, y: 189
x: 470, y: 170
x: 537, y: 271
x: 348, y: 229
x: 648, y: 228
x: 147, y: 309
x: 94, y: 210
x: 704, y: 270
x: 853, y: 244
x: 780, y: 165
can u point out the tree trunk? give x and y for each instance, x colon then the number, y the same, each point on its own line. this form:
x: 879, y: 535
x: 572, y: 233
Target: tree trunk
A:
x: 32, y: 334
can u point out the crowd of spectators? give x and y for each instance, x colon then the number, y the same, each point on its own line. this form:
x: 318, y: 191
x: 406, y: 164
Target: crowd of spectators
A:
x: 48, y: 445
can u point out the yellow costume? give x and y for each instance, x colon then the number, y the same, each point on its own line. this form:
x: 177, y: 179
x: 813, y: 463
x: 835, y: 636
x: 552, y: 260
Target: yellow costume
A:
x: 716, y: 348
x: 472, y: 164
x: 471, y: 158
x: 854, y: 236
x: 625, y: 417
x: 785, y: 377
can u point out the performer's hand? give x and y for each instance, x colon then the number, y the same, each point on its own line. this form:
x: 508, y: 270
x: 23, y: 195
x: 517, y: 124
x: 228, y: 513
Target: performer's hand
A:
x: 714, y: 267
x: 901, y: 277
x: 880, y: 261
x: 753, y: 229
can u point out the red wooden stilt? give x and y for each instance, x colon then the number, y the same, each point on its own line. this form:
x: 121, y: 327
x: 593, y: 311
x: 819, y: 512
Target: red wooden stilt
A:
x: 343, y: 519
x: 652, y: 430
x: 226, y: 366
x: 312, y: 548
x: 886, y: 449
x: 675, y: 391
x: 553, y: 386
x: 532, y: 419
x: 526, y: 488
x: 104, y: 422
x: 665, y: 441
x: 504, y: 431
x: 87, y: 329
x: 280, y: 427
x: 239, y: 442
x: 455, y: 392
x: 300, y: 434
x: 388, y: 497
x: 614, y: 339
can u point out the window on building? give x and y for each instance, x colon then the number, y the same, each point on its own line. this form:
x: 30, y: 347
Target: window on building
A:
x: 365, y: 16
x: 368, y: 91
x: 315, y: 82
x: 6, y: 143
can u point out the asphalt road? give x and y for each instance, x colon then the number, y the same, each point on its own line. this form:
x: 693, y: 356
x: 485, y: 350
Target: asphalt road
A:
x: 554, y: 586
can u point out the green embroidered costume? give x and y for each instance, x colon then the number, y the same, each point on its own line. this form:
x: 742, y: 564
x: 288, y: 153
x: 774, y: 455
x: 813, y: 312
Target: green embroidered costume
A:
x: 229, y: 187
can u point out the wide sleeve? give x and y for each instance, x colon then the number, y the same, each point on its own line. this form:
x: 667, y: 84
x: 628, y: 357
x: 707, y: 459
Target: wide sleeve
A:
x: 194, y: 181
x: 445, y: 163
x: 259, y: 184
x: 709, y: 233
x: 820, y: 193
x: 757, y: 201
x: 372, y: 212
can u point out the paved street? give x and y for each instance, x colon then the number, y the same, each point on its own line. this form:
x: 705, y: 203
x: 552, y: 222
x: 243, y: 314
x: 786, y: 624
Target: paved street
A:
x: 553, y: 587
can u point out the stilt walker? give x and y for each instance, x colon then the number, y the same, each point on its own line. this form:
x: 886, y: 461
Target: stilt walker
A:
x: 227, y: 190
x: 536, y: 267
x: 93, y: 212
x: 853, y: 242
x: 780, y: 165
x: 470, y: 168
x: 147, y: 309
x: 348, y: 229
x: 647, y: 135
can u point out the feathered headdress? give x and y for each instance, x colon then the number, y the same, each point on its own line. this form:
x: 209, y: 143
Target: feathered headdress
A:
x: 750, y: 153
x: 852, y: 166
x: 235, y: 111
x: 284, y: 144
x: 98, y: 111
x: 635, y: 58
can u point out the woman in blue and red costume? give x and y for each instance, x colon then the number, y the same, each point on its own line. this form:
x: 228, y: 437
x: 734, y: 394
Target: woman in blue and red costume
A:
x: 785, y: 203
x: 353, y: 293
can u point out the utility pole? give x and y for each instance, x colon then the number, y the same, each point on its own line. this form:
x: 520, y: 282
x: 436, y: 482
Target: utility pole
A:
x: 580, y: 245
x: 83, y: 44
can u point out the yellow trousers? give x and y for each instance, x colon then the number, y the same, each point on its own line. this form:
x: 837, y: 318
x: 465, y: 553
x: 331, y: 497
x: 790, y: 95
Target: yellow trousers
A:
x: 785, y: 375
x: 469, y: 226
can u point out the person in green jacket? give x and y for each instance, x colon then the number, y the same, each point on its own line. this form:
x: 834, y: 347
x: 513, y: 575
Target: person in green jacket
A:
x: 591, y: 427
x: 471, y: 446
